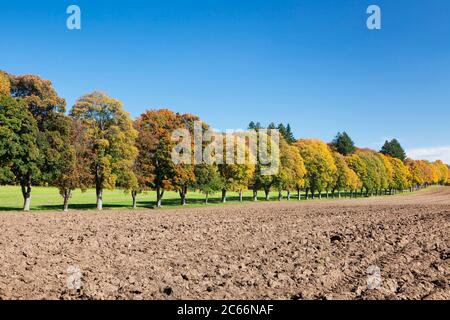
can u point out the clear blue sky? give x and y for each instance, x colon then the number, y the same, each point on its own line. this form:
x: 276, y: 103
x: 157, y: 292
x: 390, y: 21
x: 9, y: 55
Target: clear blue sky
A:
x: 312, y: 63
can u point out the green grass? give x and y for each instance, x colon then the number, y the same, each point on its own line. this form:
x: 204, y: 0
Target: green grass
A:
x: 48, y: 199
x: 43, y: 198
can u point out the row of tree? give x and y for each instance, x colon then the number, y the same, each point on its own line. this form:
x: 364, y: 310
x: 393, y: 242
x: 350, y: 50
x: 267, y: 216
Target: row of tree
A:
x: 97, y: 144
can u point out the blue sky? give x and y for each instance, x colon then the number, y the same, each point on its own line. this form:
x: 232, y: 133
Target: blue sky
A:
x: 312, y: 63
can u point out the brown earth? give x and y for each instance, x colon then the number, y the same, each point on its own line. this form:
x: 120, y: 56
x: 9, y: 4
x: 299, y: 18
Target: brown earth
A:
x: 306, y: 250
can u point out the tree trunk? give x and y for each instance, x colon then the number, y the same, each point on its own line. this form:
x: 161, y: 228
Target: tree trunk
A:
x: 240, y: 195
x: 307, y: 194
x: 267, y: 194
x: 134, y: 195
x: 255, y: 195
x: 26, y: 192
x: 280, y: 195
x: 206, y: 197
x: 288, y: 196
x: 67, y: 194
x: 159, y: 195
x: 320, y: 194
x: 99, y: 192
x: 224, y: 195
x: 299, y: 197
x: 183, y: 198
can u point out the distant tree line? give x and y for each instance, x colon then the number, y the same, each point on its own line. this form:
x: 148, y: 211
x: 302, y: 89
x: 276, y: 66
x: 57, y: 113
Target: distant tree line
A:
x: 97, y: 144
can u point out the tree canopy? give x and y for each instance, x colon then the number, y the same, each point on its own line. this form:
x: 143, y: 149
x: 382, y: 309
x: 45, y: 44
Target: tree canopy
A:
x: 343, y: 144
x: 394, y: 149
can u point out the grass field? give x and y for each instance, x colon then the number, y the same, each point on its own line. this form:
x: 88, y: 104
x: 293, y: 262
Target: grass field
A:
x: 43, y: 198
x: 49, y: 199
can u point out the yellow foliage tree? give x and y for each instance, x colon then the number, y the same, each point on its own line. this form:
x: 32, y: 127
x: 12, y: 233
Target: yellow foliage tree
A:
x: 5, y: 83
x: 319, y: 163
x: 292, y: 170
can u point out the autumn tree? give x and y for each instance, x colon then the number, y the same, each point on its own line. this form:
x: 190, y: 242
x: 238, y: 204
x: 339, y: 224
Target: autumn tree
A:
x: 5, y: 83
x: 344, y: 177
x: 388, y: 174
x: 443, y: 172
x: 394, y: 149
x: 374, y: 176
x: 72, y: 171
x: 400, y: 174
x: 359, y: 166
x: 291, y: 172
x: 111, y: 138
x: 319, y: 163
x: 19, y: 150
x: 237, y: 172
x: 343, y: 144
x: 155, y: 145
x: 184, y: 173
x: 417, y: 173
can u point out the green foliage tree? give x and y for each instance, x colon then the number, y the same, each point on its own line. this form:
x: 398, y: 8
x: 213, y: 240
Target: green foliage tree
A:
x: 208, y: 180
x: 394, y: 149
x: 72, y: 171
x: 289, y: 134
x: 48, y: 110
x: 111, y: 138
x: 19, y: 151
x: 343, y: 144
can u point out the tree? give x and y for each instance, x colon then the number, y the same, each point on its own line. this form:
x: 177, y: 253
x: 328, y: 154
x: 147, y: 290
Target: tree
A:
x: 282, y: 129
x: 359, y: 166
x: 416, y: 176
x: 208, y: 180
x: 155, y: 146
x: 289, y: 134
x: 5, y: 83
x: 400, y: 176
x: 131, y: 181
x: 184, y: 173
x: 343, y: 144
x: 19, y: 151
x: 111, y: 138
x: 370, y: 169
x: 72, y: 171
x: 388, y: 178
x: 443, y: 172
x: 344, y: 178
x: 291, y: 172
x: 319, y: 163
x: 47, y: 109
x: 394, y: 149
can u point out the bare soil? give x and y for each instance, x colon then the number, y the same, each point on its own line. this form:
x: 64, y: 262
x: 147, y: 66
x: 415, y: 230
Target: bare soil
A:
x: 267, y: 250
